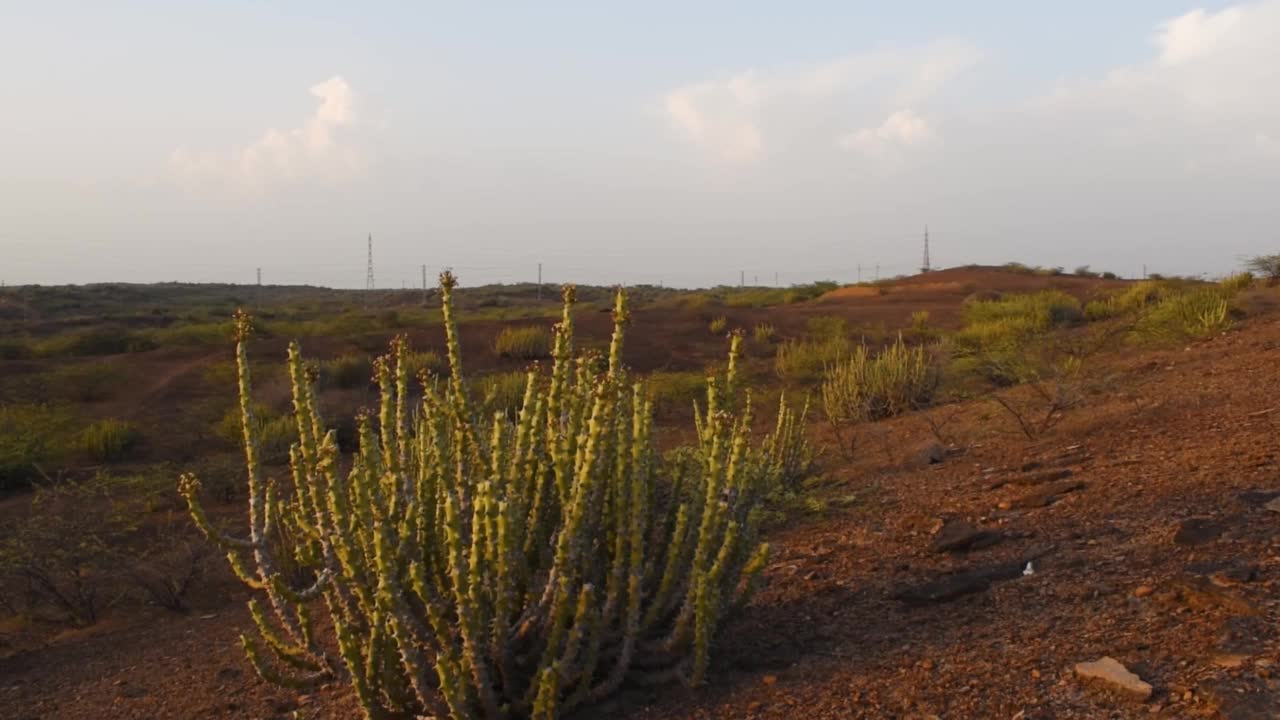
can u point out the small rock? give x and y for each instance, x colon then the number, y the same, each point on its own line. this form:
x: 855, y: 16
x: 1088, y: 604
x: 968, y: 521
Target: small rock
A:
x: 770, y: 679
x: 1273, y: 505
x: 1111, y: 672
x: 1258, y: 498
x: 931, y: 455
x: 1229, y: 661
x: 1047, y: 494
x: 1198, y: 531
x: 926, y: 664
x: 1143, y: 591
x: 961, y: 536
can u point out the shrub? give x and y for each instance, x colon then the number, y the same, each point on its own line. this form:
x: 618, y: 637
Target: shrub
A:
x: 96, y: 341
x: 75, y: 550
x: 347, y: 371
x: 1096, y: 310
x: 803, y: 361
x: 523, y: 343
x: 863, y: 387
x: 675, y: 391
x: 1108, y: 275
x: 718, y: 325
x: 32, y: 438
x: 109, y: 440
x: 503, y: 392
x: 764, y: 334
x: 479, y: 566
x: 920, y: 322
x: 1235, y: 284
x: 827, y: 327
x: 1192, y: 314
x: 788, y: 456
x: 1268, y: 266
x: 1084, y: 271
x: 274, y: 433
x: 1011, y: 319
x: 423, y: 363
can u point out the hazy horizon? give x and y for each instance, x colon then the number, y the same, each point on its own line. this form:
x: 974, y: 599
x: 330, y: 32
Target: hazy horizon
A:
x: 653, y: 144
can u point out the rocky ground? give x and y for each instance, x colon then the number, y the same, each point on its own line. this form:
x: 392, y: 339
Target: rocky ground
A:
x: 1125, y: 565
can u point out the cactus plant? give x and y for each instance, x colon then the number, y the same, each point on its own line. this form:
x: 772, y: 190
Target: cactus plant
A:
x: 484, y: 566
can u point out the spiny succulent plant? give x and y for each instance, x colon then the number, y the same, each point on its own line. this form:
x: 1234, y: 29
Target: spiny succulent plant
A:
x: 484, y: 566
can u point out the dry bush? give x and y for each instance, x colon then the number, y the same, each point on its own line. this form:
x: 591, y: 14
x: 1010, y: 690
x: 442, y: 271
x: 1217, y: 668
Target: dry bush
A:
x: 523, y: 343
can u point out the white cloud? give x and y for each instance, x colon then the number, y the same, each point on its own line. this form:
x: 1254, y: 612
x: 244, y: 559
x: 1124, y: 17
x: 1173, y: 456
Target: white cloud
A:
x: 318, y: 149
x: 1196, y: 34
x: 745, y: 116
x: 903, y: 130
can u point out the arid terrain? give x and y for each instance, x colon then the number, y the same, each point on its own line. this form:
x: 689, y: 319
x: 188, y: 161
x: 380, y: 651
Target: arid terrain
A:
x: 946, y: 563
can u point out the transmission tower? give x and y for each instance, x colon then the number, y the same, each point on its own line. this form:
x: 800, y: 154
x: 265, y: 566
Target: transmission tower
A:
x: 368, y: 273
x: 924, y: 266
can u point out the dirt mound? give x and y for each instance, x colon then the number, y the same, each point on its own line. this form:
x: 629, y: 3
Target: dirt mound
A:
x: 963, y: 281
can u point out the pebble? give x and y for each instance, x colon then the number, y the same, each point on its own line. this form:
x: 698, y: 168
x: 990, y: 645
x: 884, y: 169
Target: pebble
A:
x: 1143, y: 591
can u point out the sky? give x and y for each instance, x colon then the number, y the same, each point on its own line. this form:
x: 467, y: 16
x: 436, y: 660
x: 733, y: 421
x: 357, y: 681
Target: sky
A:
x: 681, y: 143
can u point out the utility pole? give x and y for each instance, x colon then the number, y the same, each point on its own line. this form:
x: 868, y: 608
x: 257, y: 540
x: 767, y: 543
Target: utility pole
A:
x: 775, y: 278
x: 924, y: 266
x: 877, y: 272
x: 539, y: 281
x: 859, y: 272
x: 742, y: 278
x: 368, y: 273
x: 424, y: 284
x: 259, y: 277
x: 1144, y: 271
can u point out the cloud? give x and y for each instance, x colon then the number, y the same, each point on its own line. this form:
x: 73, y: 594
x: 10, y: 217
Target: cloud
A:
x: 903, y: 130
x: 318, y: 149
x: 1196, y: 34
x: 745, y: 116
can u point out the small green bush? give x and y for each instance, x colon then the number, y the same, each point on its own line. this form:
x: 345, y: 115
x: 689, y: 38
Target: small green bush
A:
x: 425, y: 362
x: 827, y: 327
x: 347, y: 372
x: 676, y: 391
x: 109, y: 440
x: 1193, y: 314
x: 96, y: 341
x: 523, y: 343
x: 1235, y: 284
x: 1096, y: 310
x: 920, y: 322
x: 763, y: 334
x: 503, y: 392
x: 803, y: 361
x: 275, y: 433
x: 864, y: 387
x: 33, y: 438
x: 718, y: 325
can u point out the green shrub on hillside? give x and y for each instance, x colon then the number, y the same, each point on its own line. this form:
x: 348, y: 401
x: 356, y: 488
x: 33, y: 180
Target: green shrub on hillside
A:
x: 109, y: 440
x: 827, y: 327
x: 864, y: 387
x: 1235, y: 284
x: 673, y: 391
x: 34, y: 441
x: 347, y: 372
x: 478, y: 566
x: 523, y: 343
x: 1192, y: 314
x: 718, y: 325
x: 764, y: 334
x: 803, y: 361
